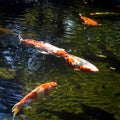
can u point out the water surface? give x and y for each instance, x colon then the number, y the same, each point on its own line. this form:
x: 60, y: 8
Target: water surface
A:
x: 79, y: 95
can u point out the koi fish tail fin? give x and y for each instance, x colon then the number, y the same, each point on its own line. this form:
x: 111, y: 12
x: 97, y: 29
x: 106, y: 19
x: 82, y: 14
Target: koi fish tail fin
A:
x: 16, y: 109
x: 20, y: 38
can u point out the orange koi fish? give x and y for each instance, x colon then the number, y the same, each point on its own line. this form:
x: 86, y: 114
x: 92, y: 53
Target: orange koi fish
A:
x: 80, y: 64
x: 39, y: 92
x: 88, y: 21
x: 44, y: 47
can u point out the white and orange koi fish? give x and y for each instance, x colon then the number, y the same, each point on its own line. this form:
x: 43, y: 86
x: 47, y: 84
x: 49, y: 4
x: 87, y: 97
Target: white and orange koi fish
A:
x: 74, y: 61
x: 45, y: 48
x: 89, y: 21
x: 80, y: 64
x: 39, y: 92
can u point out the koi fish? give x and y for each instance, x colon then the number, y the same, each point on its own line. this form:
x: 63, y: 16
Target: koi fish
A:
x: 80, y: 64
x: 89, y: 21
x: 39, y: 92
x: 44, y: 47
x: 76, y: 62
x: 102, y: 56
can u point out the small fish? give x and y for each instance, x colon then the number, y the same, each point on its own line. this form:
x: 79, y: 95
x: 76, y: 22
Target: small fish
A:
x: 112, y: 68
x: 104, y: 13
x: 88, y: 21
x: 39, y: 92
x: 44, y: 47
x: 102, y: 56
x: 80, y: 64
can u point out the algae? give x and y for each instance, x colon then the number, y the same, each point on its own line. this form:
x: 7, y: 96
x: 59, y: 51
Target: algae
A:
x: 7, y: 73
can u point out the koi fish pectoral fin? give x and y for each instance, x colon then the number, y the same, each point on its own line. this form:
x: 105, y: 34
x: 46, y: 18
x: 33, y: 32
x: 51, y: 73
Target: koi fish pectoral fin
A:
x: 43, y: 52
x: 16, y: 109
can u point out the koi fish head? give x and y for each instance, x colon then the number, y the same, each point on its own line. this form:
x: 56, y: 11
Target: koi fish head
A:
x: 53, y: 84
x: 80, y: 64
x: 87, y: 66
x: 46, y: 88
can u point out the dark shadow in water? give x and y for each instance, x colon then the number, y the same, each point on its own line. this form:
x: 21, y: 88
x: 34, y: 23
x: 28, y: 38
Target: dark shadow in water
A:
x: 14, y: 8
x: 90, y: 113
x: 110, y: 5
x: 113, y: 61
x: 97, y: 113
x: 10, y: 93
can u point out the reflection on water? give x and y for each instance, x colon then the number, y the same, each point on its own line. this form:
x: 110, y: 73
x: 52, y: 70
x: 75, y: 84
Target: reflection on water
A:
x: 79, y: 95
x: 10, y: 93
x: 35, y: 61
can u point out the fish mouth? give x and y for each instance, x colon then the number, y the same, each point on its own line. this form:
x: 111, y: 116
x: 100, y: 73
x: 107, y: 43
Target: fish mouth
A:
x: 89, y: 68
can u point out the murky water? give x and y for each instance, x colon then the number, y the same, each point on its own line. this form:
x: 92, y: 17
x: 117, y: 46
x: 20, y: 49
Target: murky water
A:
x: 79, y: 95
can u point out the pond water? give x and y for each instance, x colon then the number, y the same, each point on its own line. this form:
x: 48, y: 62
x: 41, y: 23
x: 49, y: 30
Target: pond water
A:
x: 79, y: 95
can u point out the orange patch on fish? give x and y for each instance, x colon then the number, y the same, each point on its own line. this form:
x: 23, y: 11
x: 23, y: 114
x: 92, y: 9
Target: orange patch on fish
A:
x: 61, y: 52
x: 70, y: 60
x: 46, y: 86
x: 83, y: 68
x: 31, y: 95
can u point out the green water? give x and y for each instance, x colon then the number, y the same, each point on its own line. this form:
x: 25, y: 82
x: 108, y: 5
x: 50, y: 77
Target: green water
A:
x: 79, y: 95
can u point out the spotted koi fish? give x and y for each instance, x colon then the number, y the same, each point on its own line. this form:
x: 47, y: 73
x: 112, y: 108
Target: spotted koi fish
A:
x: 80, y: 64
x: 74, y: 61
x: 45, y: 48
x: 89, y: 21
x: 39, y: 92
